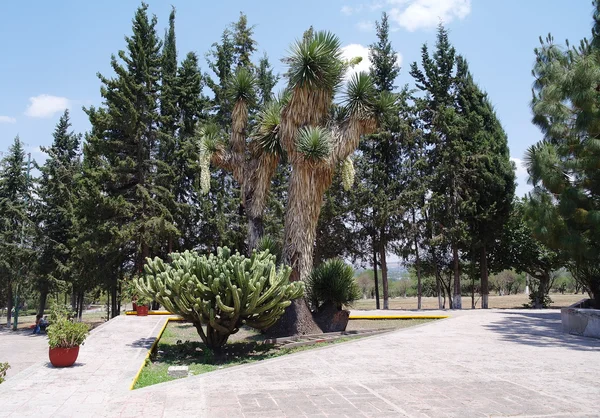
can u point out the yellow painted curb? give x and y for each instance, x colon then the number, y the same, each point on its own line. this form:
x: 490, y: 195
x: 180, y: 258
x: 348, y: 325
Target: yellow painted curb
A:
x: 150, y: 313
x: 399, y: 316
x: 137, y: 375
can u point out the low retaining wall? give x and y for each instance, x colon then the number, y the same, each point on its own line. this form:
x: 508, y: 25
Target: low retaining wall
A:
x: 580, y: 319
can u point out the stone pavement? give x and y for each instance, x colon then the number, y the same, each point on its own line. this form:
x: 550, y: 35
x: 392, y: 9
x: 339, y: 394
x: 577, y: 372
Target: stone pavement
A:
x: 106, y: 366
x: 475, y: 364
x: 21, y: 349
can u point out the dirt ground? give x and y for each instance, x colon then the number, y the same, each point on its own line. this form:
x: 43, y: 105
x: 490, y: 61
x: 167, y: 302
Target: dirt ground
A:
x: 497, y: 302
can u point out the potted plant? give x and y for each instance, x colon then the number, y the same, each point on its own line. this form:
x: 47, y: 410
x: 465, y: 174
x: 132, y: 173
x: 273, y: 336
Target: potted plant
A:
x: 64, y: 339
x: 142, y: 305
x: 331, y: 286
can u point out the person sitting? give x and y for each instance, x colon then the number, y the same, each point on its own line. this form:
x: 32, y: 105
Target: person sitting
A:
x: 38, y: 327
x: 44, y: 323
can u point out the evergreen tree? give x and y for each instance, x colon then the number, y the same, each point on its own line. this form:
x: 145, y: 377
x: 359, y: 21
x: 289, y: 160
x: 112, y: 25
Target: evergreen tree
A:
x: 447, y: 151
x: 379, y: 165
x: 16, y: 255
x: 244, y: 43
x: 385, y: 68
x: 265, y: 80
x: 55, y: 210
x: 490, y: 180
x: 123, y: 148
x: 564, y: 166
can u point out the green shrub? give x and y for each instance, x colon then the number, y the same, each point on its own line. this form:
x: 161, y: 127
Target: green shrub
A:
x: 63, y: 332
x: 332, y: 282
x: 221, y: 292
x: 3, y: 368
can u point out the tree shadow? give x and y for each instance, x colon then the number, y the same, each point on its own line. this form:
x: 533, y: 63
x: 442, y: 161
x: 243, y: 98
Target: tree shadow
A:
x: 539, y: 329
x: 142, y: 342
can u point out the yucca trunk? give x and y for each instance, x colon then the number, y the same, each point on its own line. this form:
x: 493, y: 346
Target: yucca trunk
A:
x: 256, y: 191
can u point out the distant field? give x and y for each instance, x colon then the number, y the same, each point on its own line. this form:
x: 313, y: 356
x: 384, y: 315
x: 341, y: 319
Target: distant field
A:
x: 498, y: 302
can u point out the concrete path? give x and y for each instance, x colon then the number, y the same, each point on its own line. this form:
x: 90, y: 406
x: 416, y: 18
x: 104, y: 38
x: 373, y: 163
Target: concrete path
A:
x: 105, y: 368
x: 21, y: 349
x: 475, y: 364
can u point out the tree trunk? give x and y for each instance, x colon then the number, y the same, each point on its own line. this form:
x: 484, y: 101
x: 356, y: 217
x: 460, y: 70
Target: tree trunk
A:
x: 307, y: 185
x: 438, y: 281
x: 485, y: 283
x: 384, y: 277
x: 43, y: 299
x: 113, y: 300
x: 418, y: 266
x: 80, y: 307
x: 540, y: 295
x: 74, y: 302
x: 255, y: 231
x: 377, y: 305
x: 9, y: 304
x: 457, y: 301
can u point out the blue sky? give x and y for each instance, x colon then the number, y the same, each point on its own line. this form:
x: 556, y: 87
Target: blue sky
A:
x: 52, y: 50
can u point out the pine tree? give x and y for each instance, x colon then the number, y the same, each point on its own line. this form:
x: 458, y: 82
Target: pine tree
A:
x: 16, y: 255
x: 564, y: 166
x: 381, y: 154
x: 57, y: 198
x: 123, y: 148
x: 265, y: 80
x: 491, y: 179
x: 447, y: 151
x: 244, y: 43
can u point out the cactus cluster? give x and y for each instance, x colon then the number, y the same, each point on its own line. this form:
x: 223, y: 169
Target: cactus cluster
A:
x: 220, y: 293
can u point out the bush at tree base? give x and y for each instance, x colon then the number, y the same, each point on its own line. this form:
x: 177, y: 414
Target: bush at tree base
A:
x: 220, y: 293
x: 333, y: 283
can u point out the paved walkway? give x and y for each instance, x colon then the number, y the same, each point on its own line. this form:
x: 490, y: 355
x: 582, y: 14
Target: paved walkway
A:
x: 475, y: 364
x: 105, y: 368
x: 21, y: 349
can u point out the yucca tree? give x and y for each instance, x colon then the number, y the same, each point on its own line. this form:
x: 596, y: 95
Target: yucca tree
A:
x: 565, y: 164
x: 316, y: 143
x: 315, y: 136
x: 252, y: 162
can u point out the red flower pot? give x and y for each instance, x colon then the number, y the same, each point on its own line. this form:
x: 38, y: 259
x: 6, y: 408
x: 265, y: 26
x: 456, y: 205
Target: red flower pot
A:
x: 134, y: 306
x: 63, y: 357
x: 142, y: 310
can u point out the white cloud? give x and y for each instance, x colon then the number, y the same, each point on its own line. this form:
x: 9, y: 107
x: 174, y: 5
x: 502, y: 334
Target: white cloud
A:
x: 365, y: 26
x: 347, y: 10
x: 45, y: 106
x: 521, y: 170
x: 423, y: 14
x: 7, y: 119
x: 521, y: 176
x: 357, y: 50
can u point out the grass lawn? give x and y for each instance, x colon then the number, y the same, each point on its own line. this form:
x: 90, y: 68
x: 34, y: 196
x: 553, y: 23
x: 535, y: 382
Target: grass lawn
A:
x: 495, y: 302
x: 180, y: 345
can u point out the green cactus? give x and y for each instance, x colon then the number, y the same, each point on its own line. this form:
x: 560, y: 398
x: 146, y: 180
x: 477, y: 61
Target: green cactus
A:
x: 221, y: 292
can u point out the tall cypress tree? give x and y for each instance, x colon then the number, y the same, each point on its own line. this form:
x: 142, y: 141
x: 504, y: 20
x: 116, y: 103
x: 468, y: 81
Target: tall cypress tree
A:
x: 15, y: 225
x: 57, y: 198
x: 379, y: 163
x: 266, y: 80
x: 491, y: 178
x: 123, y: 146
x: 447, y: 151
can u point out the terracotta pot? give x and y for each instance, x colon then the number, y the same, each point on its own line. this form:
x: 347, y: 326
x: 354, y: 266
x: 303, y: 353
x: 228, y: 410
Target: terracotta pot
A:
x: 330, y: 319
x: 142, y: 310
x: 63, y: 357
x: 134, y: 306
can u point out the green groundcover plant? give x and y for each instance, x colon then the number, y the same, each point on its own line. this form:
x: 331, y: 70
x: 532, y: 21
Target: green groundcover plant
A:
x: 3, y: 368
